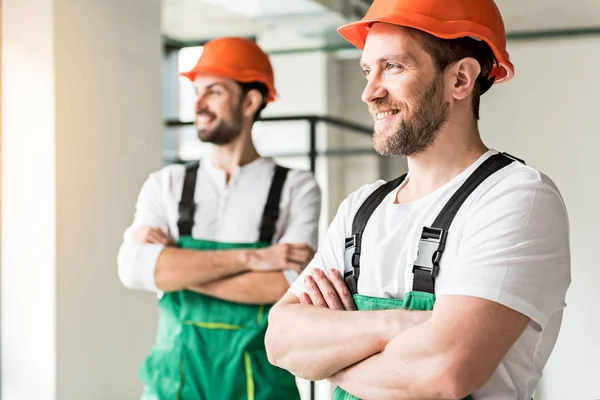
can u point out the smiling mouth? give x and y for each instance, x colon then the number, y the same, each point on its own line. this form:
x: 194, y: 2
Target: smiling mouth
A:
x: 385, y: 114
x: 204, y: 119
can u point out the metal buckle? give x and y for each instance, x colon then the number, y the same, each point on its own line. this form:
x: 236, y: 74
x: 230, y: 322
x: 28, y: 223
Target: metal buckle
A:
x: 430, y: 249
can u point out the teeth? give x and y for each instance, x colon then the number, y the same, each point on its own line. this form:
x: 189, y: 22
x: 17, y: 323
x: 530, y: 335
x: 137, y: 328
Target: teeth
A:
x: 383, y: 115
x: 203, y: 120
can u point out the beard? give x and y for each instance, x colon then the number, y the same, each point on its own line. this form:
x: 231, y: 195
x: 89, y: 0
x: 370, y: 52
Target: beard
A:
x: 226, y: 130
x: 414, y: 133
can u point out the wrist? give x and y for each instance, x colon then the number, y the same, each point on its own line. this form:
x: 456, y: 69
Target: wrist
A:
x: 397, y: 321
x: 246, y: 259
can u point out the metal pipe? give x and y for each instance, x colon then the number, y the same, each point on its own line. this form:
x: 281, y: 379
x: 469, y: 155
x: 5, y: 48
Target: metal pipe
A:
x: 312, y: 147
x: 342, y: 123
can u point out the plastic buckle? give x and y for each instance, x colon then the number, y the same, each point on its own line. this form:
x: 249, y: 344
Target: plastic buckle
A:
x: 430, y: 249
x: 352, y: 254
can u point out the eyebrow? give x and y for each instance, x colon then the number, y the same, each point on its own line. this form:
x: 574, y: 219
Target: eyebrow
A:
x: 213, y: 85
x: 403, y: 59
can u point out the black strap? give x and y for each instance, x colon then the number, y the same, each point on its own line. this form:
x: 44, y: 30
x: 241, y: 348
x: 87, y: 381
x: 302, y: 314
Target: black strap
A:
x: 271, y: 212
x: 353, y: 243
x: 187, y: 206
x: 433, y: 239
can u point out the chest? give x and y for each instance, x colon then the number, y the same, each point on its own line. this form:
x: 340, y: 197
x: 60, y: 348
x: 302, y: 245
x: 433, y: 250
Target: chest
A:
x: 390, y: 247
x: 227, y: 211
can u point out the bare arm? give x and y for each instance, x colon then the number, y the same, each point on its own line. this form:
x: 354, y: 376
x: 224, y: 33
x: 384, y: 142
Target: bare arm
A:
x: 458, y: 349
x: 257, y: 287
x: 248, y: 288
x: 316, y: 341
x: 178, y: 269
x: 219, y: 272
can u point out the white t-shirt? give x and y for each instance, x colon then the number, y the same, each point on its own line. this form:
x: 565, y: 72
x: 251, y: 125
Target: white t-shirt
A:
x: 509, y: 243
x: 226, y: 212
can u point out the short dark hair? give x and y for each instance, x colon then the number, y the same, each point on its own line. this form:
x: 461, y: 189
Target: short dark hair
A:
x: 448, y: 51
x: 264, y: 91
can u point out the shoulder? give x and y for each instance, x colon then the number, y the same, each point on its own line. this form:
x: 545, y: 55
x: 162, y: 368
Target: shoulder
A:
x: 349, y: 207
x: 518, y: 203
x: 519, y: 186
x: 169, y: 177
x: 172, y: 170
x: 300, y: 180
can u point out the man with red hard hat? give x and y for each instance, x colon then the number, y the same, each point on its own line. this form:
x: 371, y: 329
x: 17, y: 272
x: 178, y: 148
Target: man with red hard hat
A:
x: 448, y: 282
x: 220, y: 241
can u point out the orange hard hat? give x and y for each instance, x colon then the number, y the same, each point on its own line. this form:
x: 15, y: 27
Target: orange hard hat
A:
x: 237, y: 58
x: 446, y: 19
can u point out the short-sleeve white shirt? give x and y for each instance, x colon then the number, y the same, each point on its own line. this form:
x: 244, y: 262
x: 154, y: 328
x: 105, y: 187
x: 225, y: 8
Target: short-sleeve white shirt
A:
x: 509, y: 243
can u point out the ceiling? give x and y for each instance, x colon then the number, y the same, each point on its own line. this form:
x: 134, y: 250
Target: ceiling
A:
x: 305, y: 23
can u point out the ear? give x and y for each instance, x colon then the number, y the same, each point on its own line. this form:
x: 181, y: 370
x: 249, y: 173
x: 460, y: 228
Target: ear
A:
x: 465, y: 73
x: 252, y: 103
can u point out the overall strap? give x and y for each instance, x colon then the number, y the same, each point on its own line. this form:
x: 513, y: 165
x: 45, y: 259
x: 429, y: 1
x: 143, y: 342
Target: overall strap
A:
x: 187, y: 206
x: 353, y: 243
x: 271, y: 212
x: 433, y: 239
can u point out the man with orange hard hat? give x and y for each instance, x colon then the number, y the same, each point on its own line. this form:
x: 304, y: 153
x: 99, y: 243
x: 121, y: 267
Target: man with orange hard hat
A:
x: 448, y: 282
x: 220, y: 241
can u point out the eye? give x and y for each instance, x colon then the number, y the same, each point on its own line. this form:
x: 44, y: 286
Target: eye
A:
x: 366, y: 73
x: 393, y: 66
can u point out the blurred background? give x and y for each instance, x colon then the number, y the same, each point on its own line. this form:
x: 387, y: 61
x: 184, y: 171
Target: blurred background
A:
x: 91, y: 104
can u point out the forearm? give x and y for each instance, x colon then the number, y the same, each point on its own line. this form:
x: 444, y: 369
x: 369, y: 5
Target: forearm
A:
x: 315, y: 343
x: 414, y: 365
x: 247, y: 288
x: 178, y: 269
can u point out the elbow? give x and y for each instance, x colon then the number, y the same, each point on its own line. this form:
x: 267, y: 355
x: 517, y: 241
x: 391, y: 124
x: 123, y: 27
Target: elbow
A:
x: 279, y: 350
x: 127, y: 277
x: 277, y: 341
x: 274, y: 343
x: 456, y: 382
x: 130, y: 271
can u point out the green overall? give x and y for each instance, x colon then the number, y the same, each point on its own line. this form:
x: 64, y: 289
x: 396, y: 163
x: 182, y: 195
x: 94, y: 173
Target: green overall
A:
x: 431, y: 247
x: 208, y: 348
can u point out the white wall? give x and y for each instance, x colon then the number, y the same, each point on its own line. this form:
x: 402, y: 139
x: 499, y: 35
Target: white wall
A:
x: 548, y: 115
x: 81, y: 130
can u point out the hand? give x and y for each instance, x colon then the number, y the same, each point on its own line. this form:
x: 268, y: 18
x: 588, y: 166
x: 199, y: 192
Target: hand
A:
x: 152, y: 235
x: 281, y: 256
x: 327, y: 292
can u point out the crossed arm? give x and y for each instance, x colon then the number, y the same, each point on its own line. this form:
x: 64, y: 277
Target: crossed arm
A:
x: 251, y: 276
x: 393, y: 354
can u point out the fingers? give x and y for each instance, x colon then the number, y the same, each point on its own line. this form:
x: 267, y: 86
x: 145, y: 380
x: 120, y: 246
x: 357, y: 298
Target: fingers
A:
x: 157, y: 236
x: 305, y: 299
x: 294, y: 265
x: 313, y: 291
x: 301, y: 255
x: 327, y: 290
x: 152, y: 235
x: 342, y: 289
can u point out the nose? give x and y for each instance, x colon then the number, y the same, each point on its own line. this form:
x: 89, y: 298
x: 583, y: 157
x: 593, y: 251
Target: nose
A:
x: 374, y: 90
x: 200, y: 102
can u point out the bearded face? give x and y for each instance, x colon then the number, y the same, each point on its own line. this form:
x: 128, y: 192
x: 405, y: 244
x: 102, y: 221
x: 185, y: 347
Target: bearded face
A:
x: 218, y: 109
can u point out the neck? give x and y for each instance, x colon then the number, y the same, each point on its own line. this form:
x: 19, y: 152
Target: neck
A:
x: 238, y: 153
x: 455, y: 149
